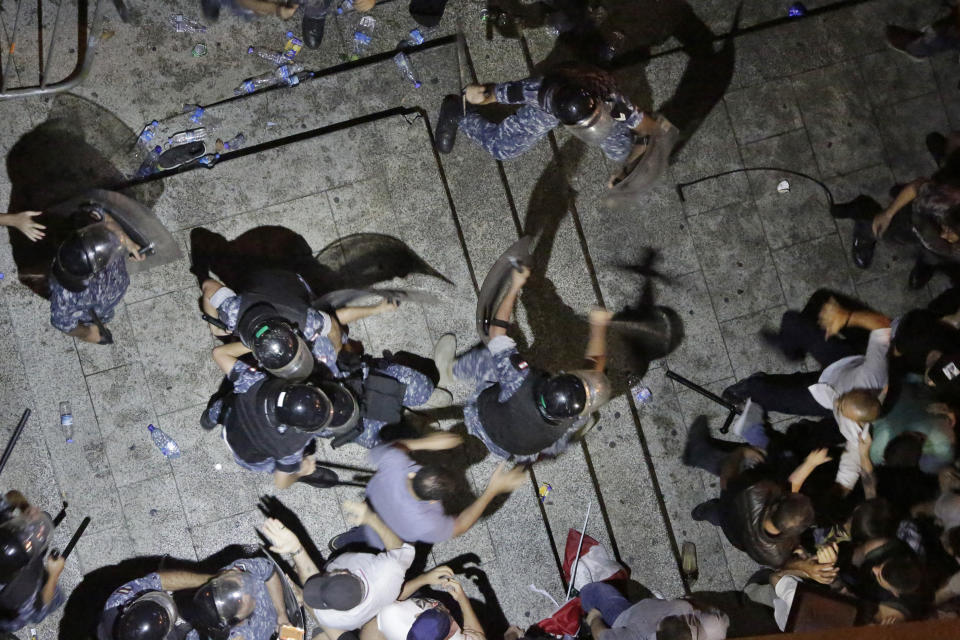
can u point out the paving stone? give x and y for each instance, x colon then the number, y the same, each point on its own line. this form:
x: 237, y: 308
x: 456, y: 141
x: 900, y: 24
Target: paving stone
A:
x: 155, y: 518
x: 896, y: 77
x: 763, y: 111
x: 906, y: 150
x: 97, y: 357
x: 801, y: 276
x: 748, y: 352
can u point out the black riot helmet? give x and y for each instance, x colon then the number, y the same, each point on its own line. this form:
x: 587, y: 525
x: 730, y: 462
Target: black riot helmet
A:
x: 275, y: 343
x: 561, y: 396
x: 23, y: 538
x: 346, y: 409
x: 84, y: 254
x: 303, y: 406
x: 225, y: 600
x: 573, y: 104
x: 151, y: 616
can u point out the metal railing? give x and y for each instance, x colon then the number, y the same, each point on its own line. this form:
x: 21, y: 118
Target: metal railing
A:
x: 87, y: 38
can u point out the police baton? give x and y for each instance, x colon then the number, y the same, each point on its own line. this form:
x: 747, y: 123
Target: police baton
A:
x: 733, y: 410
x: 13, y: 439
x: 73, y: 541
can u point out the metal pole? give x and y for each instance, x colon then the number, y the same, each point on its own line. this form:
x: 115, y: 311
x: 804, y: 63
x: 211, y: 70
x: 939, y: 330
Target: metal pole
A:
x: 576, y: 562
x: 14, y: 438
x: 75, y: 539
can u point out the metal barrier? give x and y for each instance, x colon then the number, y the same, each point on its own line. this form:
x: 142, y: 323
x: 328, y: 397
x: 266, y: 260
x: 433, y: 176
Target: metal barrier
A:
x: 87, y: 38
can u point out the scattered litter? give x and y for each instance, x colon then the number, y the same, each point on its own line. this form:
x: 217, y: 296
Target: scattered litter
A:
x: 403, y: 63
x: 345, y: 7
x: 197, y: 112
x: 416, y: 37
x: 185, y: 137
x: 1, y: 275
x: 199, y: 50
x: 181, y: 24
x: 797, y: 10
x: 641, y: 393
x: 544, y: 490
x: 230, y: 145
x: 106, y: 34
x: 271, y: 124
x: 167, y: 445
x: 286, y: 74
x: 154, y: 512
x: 292, y: 46
x: 217, y: 467
x: 783, y: 186
x: 66, y: 421
x: 276, y: 57
x: 363, y: 36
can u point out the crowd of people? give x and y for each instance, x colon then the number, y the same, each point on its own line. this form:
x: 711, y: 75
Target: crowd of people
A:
x: 858, y: 499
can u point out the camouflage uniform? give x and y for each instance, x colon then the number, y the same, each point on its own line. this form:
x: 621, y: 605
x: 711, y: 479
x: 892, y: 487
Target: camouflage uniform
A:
x: 68, y: 309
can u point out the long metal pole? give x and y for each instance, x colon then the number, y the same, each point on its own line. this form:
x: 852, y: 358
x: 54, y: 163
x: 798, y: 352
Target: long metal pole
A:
x: 14, y: 438
x: 576, y: 562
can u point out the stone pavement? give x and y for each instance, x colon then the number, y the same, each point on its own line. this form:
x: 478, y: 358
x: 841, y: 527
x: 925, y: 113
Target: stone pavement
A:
x: 822, y: 95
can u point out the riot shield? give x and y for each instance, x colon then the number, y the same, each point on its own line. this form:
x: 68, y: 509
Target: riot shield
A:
x: 497, y: 282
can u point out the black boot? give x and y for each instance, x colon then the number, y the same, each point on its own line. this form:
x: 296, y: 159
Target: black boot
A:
x: 937, y: 146
x: 313, y: 27
x: 864, y: 244
x: 859, y: 208
x: 211, y: 9
x: 451, y: 111
x: 920, y: 275
x: 322, y: 478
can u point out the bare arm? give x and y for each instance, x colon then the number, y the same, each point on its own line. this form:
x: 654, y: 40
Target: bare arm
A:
x: 471, y: 623
x: 361, y: 514
x: 54, y: 569
x: 480, y: 93
x: 174, y: 579
x: 501, y: 481
x: 275, y: 590
x: 282, y: 540
x: 596, y: 623
x: 519, y: 278
x: 597, y: 342
x: 23, y: 221
x: 126, y: 240
x: 434, y: 442
x: 805, y: 468
x: 436, y: 577
x: 834, y: 318
x: 346, y: 315
x: 283, y: 480
x: 905, y: 197
x: 226, y: 355
x: 867, y: 477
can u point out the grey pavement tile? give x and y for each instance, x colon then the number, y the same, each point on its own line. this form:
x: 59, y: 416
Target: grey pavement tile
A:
x: 122, y: 405
x: 948, y: 78
x: 176, y: 344
x: 836, y: 113
x: 797, y: 46
x: 905, y: 147
x: 802, y: 212
x: 214, y: 536
x: 701, y: 356
x: 163, y: 279
x: 891, y: 295
x: 895, y: 77
x: 206, y: 468
x: 155, y: 518
x: 763, y: 111
x: 96, y: 357
x: 801, y: 275
x: 736, y: 261
x: 748, y: 352
x: 104, y: 548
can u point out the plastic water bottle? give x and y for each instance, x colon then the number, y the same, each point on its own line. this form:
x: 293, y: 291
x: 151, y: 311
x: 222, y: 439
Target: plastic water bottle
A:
x: 285, y: 74
x: 196, y: 112
x: 148, y: 133
x: 66, y: 421
x: 181, y: 24
x: 292, y: 47
x: 276, y: 57
x: 345, y: 7
x: 232, y: 144
x: 166, y: 444
x: 640, y: 392
x: 209, y: 160
x: 185, y: 137
x: 363, y: 36
x: 797, y: 10
x: 149, y: 164
x: 403, y: 63
x: 416, y: 37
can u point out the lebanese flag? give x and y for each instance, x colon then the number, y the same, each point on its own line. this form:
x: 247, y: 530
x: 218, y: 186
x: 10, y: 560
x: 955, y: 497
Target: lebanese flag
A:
x: 595, y: 565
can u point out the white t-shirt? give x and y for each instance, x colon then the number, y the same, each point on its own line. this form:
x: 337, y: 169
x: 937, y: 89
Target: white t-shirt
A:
x: 394, y: 620
x: 382, y: 575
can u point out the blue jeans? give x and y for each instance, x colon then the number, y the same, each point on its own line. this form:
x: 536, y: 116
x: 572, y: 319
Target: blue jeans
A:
x: 604, y: 598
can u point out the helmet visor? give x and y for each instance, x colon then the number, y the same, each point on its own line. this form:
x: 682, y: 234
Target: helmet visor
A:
x: 299, y: 367
x: 597, y: 386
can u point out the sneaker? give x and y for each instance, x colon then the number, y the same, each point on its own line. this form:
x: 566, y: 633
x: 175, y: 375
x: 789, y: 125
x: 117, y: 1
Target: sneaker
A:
x: 451, y: 111
x: 444, y: 355
x: 899, y: 39
x: 439, y: 399
x: 862, y: 251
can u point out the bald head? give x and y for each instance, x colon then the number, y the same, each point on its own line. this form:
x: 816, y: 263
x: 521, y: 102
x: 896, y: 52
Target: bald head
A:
x: 859, y: 405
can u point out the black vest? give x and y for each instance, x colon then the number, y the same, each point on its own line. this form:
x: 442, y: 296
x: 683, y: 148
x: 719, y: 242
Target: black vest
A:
x: 517, y: 425
x: 250, y: 434
x: 282, y: 289
x: 24, y: 587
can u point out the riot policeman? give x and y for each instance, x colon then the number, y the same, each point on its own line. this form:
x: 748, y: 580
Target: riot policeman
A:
x: 243, y: 600
x: 89, y: 276
x: 519, y: 411
x: 28, y: 578
x: 584, y: 99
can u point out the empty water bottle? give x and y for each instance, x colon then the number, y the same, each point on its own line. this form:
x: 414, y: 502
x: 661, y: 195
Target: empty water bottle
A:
x: 292, y: 47
x: 345, y: 7
x: 185, y: 137
x: 403, y: 63
x: 416, y: 37
x: 232, y: 144
x: 276, y: 57
x: 363, y: 36
x: 149, y: 164
x: 196, y: 112
x: 286, y: 74
x: 640, y: 392
x: 148, y: 133
x: 66, y: 421
x: 797, y: 10
x: 166, y: 444
x: 209, y: 160
x: 181, y: 24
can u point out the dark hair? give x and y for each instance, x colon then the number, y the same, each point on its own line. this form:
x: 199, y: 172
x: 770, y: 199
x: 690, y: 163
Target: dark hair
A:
x: 903, y: 573
x: 792, y: 514
x: 873, y: 518
x: 951, y: 219
x: 433, y: 483
x: 904, y: 451
x: 674, y: 628
x: 952, y: 537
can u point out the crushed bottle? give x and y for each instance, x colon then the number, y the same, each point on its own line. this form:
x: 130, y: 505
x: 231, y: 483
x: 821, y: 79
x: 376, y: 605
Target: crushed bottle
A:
x: 285, y: 74
x: 345, y: 7
x: 185, y: 137
x: 167, y: 445
x: 181, y: 24
x: 149, y: 164
x: 402, y: 60
x: 797, y: 10
x: 232, y: 144
x: 196, y: 112
x: 363, y: 36
x: 276, y: 57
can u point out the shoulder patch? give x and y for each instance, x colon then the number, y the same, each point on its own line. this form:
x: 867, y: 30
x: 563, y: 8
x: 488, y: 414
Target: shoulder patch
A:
x: 518, y: 362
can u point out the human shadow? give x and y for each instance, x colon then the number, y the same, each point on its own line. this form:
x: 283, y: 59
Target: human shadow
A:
x: 81, y: 613
x: 489, y: 610
x: 80, y: 146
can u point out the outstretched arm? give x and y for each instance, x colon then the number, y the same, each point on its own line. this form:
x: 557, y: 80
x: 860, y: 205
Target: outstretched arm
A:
x: 439, y: 441
x: 834, y: 318
x: 435, y: 577
x: 518, y: 279
x: 361, y: 514
x: 501, y: 481
x: 174, y: 579
x: 882, y: 220
x: 346, y: 315
x: 813, y: 460
x: 597, y: 342
x: 23, y: 221
x: 282, y: 540
x: 226, y: 355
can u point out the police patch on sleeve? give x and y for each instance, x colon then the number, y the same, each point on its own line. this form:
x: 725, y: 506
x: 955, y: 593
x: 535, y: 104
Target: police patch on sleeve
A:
x: 518, y: 362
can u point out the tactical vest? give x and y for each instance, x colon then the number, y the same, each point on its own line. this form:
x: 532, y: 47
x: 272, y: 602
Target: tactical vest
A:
x: 282, y: 289
x: 24, y: 587
x: 251, y: 435
x: 517, y: 426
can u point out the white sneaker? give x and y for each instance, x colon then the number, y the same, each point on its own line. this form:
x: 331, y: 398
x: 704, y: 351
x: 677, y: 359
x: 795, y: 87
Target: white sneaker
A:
x: 444, y: 355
